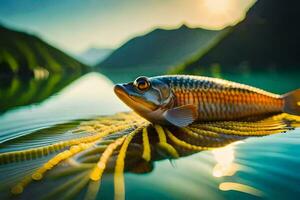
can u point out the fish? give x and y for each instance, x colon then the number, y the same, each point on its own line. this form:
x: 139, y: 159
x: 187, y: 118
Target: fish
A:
x: 180, y: 100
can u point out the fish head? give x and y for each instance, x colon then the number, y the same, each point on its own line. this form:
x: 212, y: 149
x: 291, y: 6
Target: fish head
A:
x: 145, y: 95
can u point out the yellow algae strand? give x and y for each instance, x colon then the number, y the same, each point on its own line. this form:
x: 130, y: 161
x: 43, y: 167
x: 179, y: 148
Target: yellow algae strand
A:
x: 19, y: 188
x: 16, y: 156
x: 201, y: 132
x: 119, y: 169
x: 45, y: 150
x: 192, y: 132
x: 246, y: 128
x: 77, y: 145
x: 146, y: 145
x: 161, y: 134
x: 184, y: 144
x: 163, y: 142
x: 261, y: 123
x: 58, y: 158
x: 38, y: 174
x: 101, y: 165
x: 240, y: 133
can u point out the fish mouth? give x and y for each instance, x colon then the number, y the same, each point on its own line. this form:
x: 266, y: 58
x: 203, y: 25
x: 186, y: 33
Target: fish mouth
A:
x: 135, y: 102
x: 120, y: 91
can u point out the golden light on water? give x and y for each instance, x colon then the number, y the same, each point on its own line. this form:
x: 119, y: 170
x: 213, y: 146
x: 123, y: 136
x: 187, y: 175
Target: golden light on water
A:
x: 226, y: 167
x: 226, y: 186
x: 225, y: 161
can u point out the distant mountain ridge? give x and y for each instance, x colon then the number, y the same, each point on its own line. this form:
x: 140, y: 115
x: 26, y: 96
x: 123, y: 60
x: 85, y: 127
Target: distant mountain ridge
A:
x: 159, y: 49
x: 22, y: 53
x: 268, y: 38
x: 93, y: 55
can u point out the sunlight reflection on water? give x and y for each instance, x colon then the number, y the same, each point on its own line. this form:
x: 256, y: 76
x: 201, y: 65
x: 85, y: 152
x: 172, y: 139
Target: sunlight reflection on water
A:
x: 225, y: 160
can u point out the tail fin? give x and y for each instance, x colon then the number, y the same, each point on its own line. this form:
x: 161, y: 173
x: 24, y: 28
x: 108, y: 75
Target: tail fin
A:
x: 292, y: 102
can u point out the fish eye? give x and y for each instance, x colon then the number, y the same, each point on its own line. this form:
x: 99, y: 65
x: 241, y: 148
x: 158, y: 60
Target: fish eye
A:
x: 142, y: 83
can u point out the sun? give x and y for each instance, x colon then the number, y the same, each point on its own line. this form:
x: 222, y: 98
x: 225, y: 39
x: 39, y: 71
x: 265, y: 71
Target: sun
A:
x: 219, y: 6
x: 217, y: 14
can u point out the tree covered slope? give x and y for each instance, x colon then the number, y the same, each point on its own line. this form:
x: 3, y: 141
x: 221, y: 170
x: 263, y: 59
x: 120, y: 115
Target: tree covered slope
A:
x: 21, y: 53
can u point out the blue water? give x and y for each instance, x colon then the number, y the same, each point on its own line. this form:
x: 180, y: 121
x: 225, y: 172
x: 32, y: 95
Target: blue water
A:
x: 90, y: 95
x: 255, y: 168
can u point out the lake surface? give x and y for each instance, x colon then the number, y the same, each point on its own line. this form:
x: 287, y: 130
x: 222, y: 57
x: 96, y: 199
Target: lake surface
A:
x: 265, y: 167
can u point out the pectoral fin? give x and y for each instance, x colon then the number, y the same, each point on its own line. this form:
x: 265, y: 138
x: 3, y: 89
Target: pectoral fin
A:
x: 181, y: 116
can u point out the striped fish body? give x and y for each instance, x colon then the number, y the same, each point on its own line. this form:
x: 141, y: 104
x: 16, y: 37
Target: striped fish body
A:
x: 180, y: 100
x: 217, y: 99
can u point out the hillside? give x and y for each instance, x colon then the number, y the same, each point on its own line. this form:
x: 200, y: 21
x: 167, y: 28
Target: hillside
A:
x: 93, y: 55
x: 160, y: 49
x: 267, y: 39
x: 21, y: 53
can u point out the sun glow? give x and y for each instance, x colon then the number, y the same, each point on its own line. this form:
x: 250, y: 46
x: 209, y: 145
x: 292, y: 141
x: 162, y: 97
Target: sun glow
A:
x: 218, y: 6
x: 221, y: 13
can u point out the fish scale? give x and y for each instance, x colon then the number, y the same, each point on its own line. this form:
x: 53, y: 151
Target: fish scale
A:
x: 218, y: 99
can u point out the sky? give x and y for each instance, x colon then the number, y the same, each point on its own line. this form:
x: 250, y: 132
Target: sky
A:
x: 75, y: 25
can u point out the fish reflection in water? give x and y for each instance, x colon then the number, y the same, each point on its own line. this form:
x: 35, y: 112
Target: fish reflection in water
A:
x: 71, y: 159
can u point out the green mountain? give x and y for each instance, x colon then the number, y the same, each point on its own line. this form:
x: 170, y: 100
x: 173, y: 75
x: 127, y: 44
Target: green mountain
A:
x: 159, y: 50
x: 22, y: 53
x: 267, y: 39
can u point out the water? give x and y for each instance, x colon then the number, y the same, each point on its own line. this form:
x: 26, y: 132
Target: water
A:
x: 255, y: 168
x: 94, y: 89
